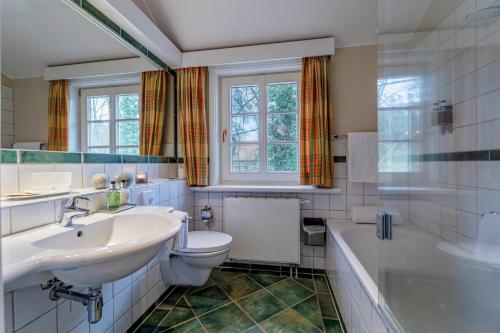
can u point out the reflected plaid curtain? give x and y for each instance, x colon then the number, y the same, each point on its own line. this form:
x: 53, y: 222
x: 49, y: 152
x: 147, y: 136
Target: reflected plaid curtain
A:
x: 316, y: 156
x: 152, y: 116
x: 191, y: 88
x: 58, y: 115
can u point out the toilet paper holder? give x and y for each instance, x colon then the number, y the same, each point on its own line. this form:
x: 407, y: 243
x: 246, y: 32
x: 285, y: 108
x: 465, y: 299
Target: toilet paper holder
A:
x: 206, y: 214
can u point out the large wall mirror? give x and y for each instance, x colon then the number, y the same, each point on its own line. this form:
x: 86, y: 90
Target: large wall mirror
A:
x: 45, y: 40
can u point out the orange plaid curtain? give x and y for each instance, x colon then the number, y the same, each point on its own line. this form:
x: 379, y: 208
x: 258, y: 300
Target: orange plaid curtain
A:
x: 58, y: 115
x: 152, y: 116
x: 316, y: 156
x: 193, y: 124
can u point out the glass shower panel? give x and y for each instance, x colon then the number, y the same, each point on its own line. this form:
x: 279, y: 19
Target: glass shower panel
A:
x: 439, y: 164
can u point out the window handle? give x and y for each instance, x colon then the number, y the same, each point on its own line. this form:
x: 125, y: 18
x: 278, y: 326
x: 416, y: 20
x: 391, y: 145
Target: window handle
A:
x: 224, y: 134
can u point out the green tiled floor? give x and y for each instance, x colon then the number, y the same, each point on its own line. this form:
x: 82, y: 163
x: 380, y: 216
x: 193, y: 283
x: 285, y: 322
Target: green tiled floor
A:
x: 235, y: 301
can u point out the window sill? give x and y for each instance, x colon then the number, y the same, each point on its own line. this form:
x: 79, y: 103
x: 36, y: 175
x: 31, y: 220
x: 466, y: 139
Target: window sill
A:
x: 266, y: 188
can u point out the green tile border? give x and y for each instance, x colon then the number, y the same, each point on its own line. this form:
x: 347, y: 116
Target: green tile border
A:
x: 36, y: 157
x: 476, y: 155
x: 97, y: 14
x: 134, y: 159
x: 86, y: 7
x: 159, y: 159
x: 8, y: 156
x: 101, y: 158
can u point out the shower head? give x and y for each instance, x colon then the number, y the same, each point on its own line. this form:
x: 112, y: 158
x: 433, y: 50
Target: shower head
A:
x: 484, y: 14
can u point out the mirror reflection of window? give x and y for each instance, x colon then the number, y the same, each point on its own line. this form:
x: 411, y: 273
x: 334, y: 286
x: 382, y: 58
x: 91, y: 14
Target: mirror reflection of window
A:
x: 111, y: 120
x: 399, y: 113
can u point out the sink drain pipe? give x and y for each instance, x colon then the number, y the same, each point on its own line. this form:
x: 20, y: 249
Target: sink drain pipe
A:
x: 92, y: 300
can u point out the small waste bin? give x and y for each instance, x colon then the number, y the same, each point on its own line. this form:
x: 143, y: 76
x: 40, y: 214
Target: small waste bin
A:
x: 314, y: 229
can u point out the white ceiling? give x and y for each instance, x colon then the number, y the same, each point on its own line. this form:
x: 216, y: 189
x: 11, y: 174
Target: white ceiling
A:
x: 36, y: 34
x: 208, y: 24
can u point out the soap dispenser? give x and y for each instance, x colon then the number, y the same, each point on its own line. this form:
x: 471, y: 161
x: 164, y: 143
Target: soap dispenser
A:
x: 124, y: 193
x: 113, y: 197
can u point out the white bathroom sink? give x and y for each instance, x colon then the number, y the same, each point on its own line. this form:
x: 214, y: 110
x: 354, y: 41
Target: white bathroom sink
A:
x: 97, y: 249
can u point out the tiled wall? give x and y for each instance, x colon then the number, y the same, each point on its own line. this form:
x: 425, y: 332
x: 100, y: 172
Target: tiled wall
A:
x: 334, y: 205
x: 453, y: 175
x: 125, y: 300
x: 359, y: 313
x: 7, y: 117
x: 458, y: 62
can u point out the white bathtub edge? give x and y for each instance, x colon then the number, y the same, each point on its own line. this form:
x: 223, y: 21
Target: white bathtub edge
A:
x: 335, y: 227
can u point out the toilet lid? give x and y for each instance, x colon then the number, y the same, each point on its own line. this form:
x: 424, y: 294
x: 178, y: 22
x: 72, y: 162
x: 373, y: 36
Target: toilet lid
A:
x: 207, y: 241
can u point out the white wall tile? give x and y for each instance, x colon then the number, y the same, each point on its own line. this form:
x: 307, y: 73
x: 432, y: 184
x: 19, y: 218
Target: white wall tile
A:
x: 139, y: 308
x: 143, y: 167
x: 354, y: 188
x: 25, y: 171
x: 215, y: 199
x: 89, y: 170
x: 69, y: 314
x: 338, y: 202
x: 321, y: 202
x: 354, y: 200
x: 122, y: 303
x: 153, y: 276
x: 486, y: 106
x: 8, y: 312
x: 488, y: 174
x: 174, y: 189
x: 83, y: 327
x: 76, y: 173
x: 123, y: 323
x: 39, y: 303
x: 154, y: 171
x: 112, y: 170
x: 340, y: 170
x: 466, y: 224
x: 164, y: 191
x: 36, y: 215
x: 121, y: 284
x: 46, y: 323
x: 9, y: 178
x: 201, y: 199
x: 5, y: 220
x: 465, y: 138
x: 487, y: 201
x: 139, y: 288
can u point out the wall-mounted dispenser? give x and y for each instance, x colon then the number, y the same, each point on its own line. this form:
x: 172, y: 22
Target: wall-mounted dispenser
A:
x: 207, y: 215
x: 442, y: 115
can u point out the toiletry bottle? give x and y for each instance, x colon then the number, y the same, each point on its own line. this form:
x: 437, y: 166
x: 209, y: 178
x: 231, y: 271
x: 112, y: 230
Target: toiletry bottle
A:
x: 124, y: 193
x: 113, y: 197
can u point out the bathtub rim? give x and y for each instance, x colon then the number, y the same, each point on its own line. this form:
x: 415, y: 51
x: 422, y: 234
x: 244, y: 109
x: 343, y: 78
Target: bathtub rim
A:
x: 335, y: 228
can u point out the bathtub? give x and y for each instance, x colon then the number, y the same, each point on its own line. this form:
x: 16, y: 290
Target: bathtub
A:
x: 423, y: 282
x: 352, y: 270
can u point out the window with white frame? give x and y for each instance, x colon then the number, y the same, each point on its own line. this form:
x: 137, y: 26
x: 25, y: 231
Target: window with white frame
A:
x: 110, y: 120
x: 260, y: 127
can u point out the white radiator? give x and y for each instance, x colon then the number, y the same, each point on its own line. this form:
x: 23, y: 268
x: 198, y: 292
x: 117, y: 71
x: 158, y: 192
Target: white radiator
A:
x: 263, y: 229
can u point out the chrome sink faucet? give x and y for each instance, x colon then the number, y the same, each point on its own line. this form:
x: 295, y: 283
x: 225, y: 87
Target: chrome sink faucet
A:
x: 70, y: 211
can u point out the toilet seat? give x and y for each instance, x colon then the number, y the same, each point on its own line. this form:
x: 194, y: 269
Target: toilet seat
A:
x: 206, y: 242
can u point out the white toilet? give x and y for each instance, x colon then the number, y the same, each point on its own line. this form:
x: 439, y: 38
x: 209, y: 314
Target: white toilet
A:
x: 192, y: 266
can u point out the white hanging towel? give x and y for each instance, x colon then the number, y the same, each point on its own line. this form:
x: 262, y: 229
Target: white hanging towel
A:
x: 181, y: 238
x: 362, y: 157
